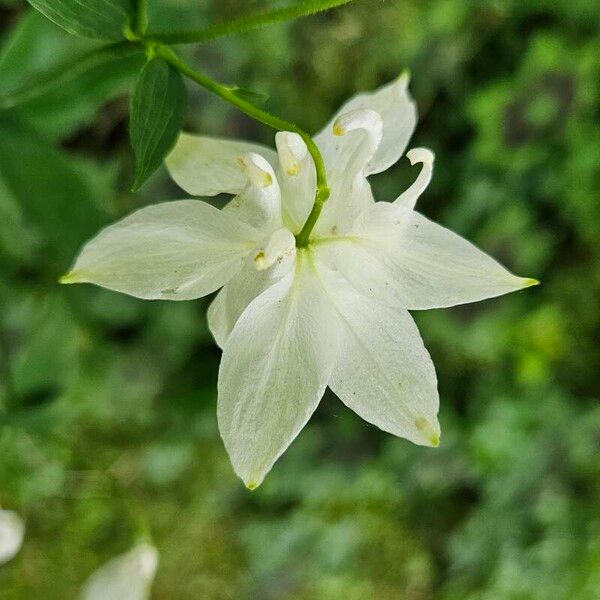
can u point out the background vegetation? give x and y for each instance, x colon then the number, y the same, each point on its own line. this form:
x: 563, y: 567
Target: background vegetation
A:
x: 108, y: 427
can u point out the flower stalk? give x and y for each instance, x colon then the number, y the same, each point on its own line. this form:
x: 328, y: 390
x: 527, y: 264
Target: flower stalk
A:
x: 229, y: 95
x: 141, y: 17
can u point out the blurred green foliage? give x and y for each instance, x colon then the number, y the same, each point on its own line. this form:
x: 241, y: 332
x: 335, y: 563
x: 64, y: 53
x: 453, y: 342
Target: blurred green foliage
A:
x: 108, y: 426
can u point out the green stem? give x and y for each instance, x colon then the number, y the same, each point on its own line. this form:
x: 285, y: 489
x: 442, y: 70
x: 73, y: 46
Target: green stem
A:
x: 303, y: 237
x: 229, y: 95
x: 141, y: 17
x: 242, y: 24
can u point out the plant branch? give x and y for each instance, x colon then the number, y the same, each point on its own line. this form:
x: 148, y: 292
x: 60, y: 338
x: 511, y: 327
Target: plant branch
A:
x: 141, y: 17
x: 303, y: 9
x: 228, y: 94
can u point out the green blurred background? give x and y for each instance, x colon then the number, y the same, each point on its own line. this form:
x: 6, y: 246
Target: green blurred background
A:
x: 108, y: 427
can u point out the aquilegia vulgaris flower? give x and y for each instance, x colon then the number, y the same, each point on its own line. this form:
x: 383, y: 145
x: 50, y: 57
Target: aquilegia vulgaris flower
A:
x: 293, y: 318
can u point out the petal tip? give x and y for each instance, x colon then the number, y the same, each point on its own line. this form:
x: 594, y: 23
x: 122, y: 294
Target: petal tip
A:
x: 256, y: 169
x: 404, y: 77
x: 338, y: 130
x: 280, y: 245
x: 530, y: 282
x: 252, y: 485
x: 430, y: 432
x: 292, y: 151
x: 359, y: 118
x: 420, y: 155
x: 260, y: 261
x: 69, y: 278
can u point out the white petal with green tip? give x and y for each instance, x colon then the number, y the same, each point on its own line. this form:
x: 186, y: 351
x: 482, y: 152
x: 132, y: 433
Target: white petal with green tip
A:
x: 383, y: 371
x: 177, y: 250
x: 275, y: 367
x: 414, y: 263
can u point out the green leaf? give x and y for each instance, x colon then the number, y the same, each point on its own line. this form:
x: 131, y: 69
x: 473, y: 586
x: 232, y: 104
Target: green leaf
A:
x: 33, y: 46
x: 43, y: 69
x: 17, y: 240
x: 40, y: 78
x: 58, y: 116
x: 59, y: 195
x: 101, y: 19
x: 157, y: 114
x: 61, y: 76
x: 41, y: 367
x: 304, y: 8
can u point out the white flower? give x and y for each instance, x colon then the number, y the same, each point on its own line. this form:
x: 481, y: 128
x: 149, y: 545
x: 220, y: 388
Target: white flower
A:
x: 126, y: 577
x: 294, y: 320
x: 12, y: 530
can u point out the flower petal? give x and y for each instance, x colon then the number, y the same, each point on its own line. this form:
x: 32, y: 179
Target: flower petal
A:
x: 297, y: 178
x: 126, y: 577
x: 259, y: 203
x: 172, y: 251
x: 243, y: 287
x: 358, y: 134
x: 399, y: 116
x: 206, y: 166
x: 12, y: 530
x: 280, y: 244
x: 406, y: 260
x: 275, y: 367
x: 408, y: 199
x: 383, y: 371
